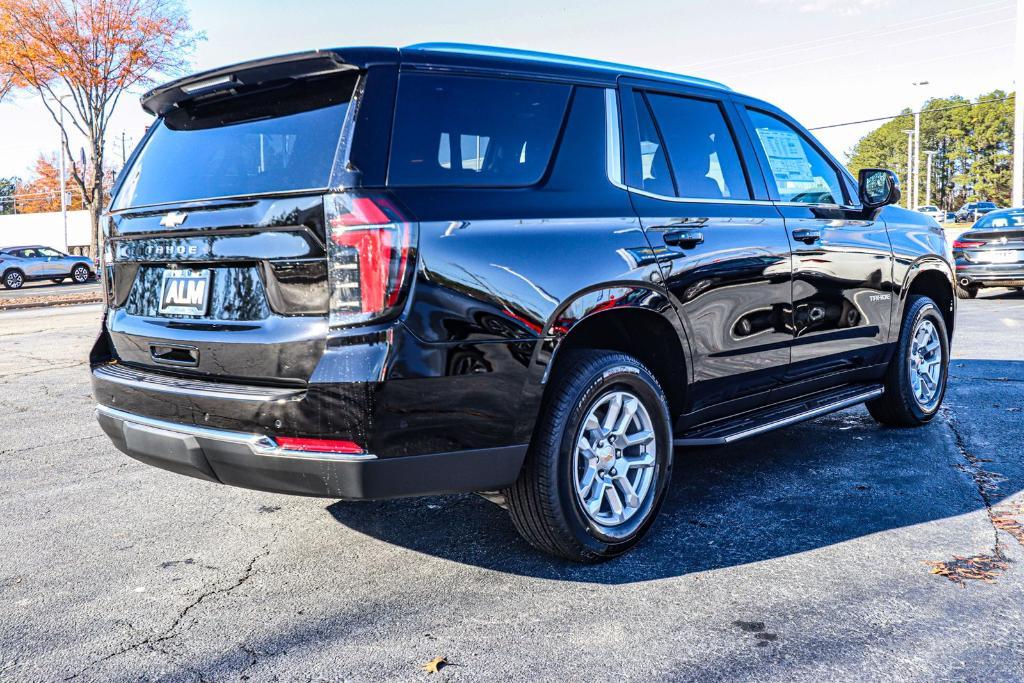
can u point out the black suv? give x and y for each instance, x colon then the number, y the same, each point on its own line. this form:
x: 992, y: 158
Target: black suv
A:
x: 370, y: 273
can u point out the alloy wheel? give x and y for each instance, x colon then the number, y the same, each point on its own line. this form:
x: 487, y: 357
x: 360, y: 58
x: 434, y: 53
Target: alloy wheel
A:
x: 14, y: 280
x: 925, y: 364
x: 81, y: 274
x: 615, y: 456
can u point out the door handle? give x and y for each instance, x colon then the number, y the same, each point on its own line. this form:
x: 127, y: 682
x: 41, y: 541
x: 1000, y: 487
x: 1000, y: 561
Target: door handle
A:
x: 685, y: 239
x: 807, y: 235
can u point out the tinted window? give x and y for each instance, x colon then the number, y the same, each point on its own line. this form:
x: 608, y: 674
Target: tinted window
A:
x: 452, y: 130
x: 271, y: 140
x: 986, y: 205
x: 1008, y: 219
x: 654, y: 173
x: 801, y: 173
x: 701, y: 149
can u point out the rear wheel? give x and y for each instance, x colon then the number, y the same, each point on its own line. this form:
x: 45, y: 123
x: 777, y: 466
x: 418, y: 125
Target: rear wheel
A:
x: 968, y: 292
x: 600, y: 461
x: 58, y: 280
x: 915, y: 382
x: 13, y: 279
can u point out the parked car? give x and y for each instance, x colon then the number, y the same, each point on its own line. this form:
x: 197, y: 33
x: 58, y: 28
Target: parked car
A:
x: 19, y: 265
x: 934, y: 212
x: 951, y: 216
x: 373, y: 273
x: 972, y: 211
x: 991, y: 253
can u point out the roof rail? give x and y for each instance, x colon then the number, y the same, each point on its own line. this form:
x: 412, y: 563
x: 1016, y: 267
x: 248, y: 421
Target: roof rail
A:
x: 564, y: 60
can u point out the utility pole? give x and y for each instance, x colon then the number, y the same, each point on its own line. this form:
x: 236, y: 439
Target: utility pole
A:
x: 928, y: 182
x: 917, y: 159
x: 1018, y: 117
x: 910, y: 168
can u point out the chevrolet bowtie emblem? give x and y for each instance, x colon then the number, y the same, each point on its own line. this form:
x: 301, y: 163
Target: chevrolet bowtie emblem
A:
x: 173, y: 219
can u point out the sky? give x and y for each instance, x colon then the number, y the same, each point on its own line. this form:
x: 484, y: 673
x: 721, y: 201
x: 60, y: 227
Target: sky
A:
x: 823, y: 61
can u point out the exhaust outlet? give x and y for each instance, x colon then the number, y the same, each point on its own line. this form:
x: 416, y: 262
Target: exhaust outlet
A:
x: 965, y: 281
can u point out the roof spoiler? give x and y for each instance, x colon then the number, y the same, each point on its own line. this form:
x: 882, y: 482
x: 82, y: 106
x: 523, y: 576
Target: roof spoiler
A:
x: 162, y: 99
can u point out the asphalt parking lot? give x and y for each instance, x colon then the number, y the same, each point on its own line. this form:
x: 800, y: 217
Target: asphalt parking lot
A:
x: 805, y: 554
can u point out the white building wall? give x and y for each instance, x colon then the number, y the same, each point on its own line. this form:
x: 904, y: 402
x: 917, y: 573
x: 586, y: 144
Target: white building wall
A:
x: 46, y: 229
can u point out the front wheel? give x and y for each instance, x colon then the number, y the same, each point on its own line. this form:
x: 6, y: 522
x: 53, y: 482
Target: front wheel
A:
x: 13, y: 279
x: 80, y: 274
x: 600, y: 461
x: 915, y: 382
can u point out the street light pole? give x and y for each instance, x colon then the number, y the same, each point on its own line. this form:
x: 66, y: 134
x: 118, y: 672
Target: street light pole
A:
x: 928, y: 175
x: 910, y: 167
x: 917, y: 159
x: 1018, y: 117
x: 63, y: 174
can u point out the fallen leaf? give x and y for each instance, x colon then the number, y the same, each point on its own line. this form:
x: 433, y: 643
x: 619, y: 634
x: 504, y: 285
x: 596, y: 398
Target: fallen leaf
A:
x: 435, y: 665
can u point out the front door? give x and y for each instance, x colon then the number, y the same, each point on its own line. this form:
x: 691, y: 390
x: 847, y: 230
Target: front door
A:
x: 842, y: 260
x: 723, y: 246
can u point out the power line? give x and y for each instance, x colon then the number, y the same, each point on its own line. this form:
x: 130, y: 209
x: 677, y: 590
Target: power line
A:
x: 911, y: 113
x: 830, y: 41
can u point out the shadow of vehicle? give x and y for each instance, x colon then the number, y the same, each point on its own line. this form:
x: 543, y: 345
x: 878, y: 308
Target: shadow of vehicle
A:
x: 816, y: 484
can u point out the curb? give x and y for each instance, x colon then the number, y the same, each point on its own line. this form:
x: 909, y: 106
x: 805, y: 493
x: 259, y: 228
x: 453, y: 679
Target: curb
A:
x: 4, y: 306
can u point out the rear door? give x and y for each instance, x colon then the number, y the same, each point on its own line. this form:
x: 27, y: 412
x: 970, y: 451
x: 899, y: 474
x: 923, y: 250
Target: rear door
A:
x: 722, y: 244
x: 217, y: 237
x: 842, y: 260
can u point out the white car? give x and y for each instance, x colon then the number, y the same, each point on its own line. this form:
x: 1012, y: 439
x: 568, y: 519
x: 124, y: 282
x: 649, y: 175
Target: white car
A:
x: 935, y: 212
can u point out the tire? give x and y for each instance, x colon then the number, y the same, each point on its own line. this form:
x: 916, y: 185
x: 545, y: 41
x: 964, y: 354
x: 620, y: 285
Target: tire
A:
x: 58, y: 280
x: 14, y: 279
x: 546, y: 502
x: 903, y: 404
x: 80, y: 274
x: 966, y: 292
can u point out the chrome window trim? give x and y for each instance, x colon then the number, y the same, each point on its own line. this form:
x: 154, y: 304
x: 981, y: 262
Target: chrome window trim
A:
x: 700, y: 200
x: 613, y: 138
x: 260, y: 445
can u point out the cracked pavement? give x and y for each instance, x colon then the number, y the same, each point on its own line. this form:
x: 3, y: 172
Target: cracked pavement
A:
x: 800, y: 555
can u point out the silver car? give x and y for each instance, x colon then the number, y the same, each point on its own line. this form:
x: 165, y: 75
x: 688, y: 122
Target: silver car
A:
x: 19, y: 265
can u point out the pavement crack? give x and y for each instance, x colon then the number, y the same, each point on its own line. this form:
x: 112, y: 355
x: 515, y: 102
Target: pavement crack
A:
x: 155, y: 642
x: 984, y: 566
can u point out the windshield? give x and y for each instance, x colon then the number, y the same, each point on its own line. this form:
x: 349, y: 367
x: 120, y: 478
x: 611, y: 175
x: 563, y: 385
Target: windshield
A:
x: 276, y: 139
x: 1014, y: 219
x: 929, y: 208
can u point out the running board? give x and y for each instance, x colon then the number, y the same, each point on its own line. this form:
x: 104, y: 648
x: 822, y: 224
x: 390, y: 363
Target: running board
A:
x: 780, y: 415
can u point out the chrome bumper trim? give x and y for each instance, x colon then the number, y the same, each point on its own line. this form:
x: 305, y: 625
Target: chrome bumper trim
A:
x: 120, y: 374
x: 259, y: 444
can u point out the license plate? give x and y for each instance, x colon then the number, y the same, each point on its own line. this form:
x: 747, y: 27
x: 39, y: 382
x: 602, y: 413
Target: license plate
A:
x: 1007, y: 256
x: 185, y: 292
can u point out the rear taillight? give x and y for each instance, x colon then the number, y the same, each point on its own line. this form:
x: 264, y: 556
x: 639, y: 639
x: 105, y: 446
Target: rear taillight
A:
x: 967, y: 244
x: 303, y: 445
x: 369, y: 249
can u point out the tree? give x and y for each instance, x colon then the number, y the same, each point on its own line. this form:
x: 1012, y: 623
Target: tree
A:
x: 89, y: 52
x: 973, y: 146
x: 42, y: 192
x: 8, y: 186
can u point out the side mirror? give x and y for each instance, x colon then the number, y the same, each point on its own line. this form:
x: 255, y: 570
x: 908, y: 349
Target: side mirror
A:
x: 878, y: 187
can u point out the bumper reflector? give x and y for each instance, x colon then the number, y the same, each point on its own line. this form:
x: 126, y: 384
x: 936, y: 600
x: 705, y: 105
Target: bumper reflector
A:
x: 293, y: 443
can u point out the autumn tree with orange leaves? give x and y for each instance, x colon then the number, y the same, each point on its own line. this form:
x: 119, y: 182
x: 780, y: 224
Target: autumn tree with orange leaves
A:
x: 81, y: 56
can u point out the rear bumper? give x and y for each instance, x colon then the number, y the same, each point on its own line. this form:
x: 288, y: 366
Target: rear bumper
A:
x: 985, y: 275
x: 254, y: 461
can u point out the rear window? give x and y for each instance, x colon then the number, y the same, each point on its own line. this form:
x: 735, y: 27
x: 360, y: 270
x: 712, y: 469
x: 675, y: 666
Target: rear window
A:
x: 1013, y: 219
x: 469, y: 131
x: 274, y: 139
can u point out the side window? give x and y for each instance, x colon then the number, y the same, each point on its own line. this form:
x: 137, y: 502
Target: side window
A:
x: 654, y: 171
x: 474, y: 131
x: 701, y: 148
x: 801, y: 173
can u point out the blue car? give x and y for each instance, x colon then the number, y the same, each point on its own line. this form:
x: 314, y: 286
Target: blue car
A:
x: 24, y: 264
